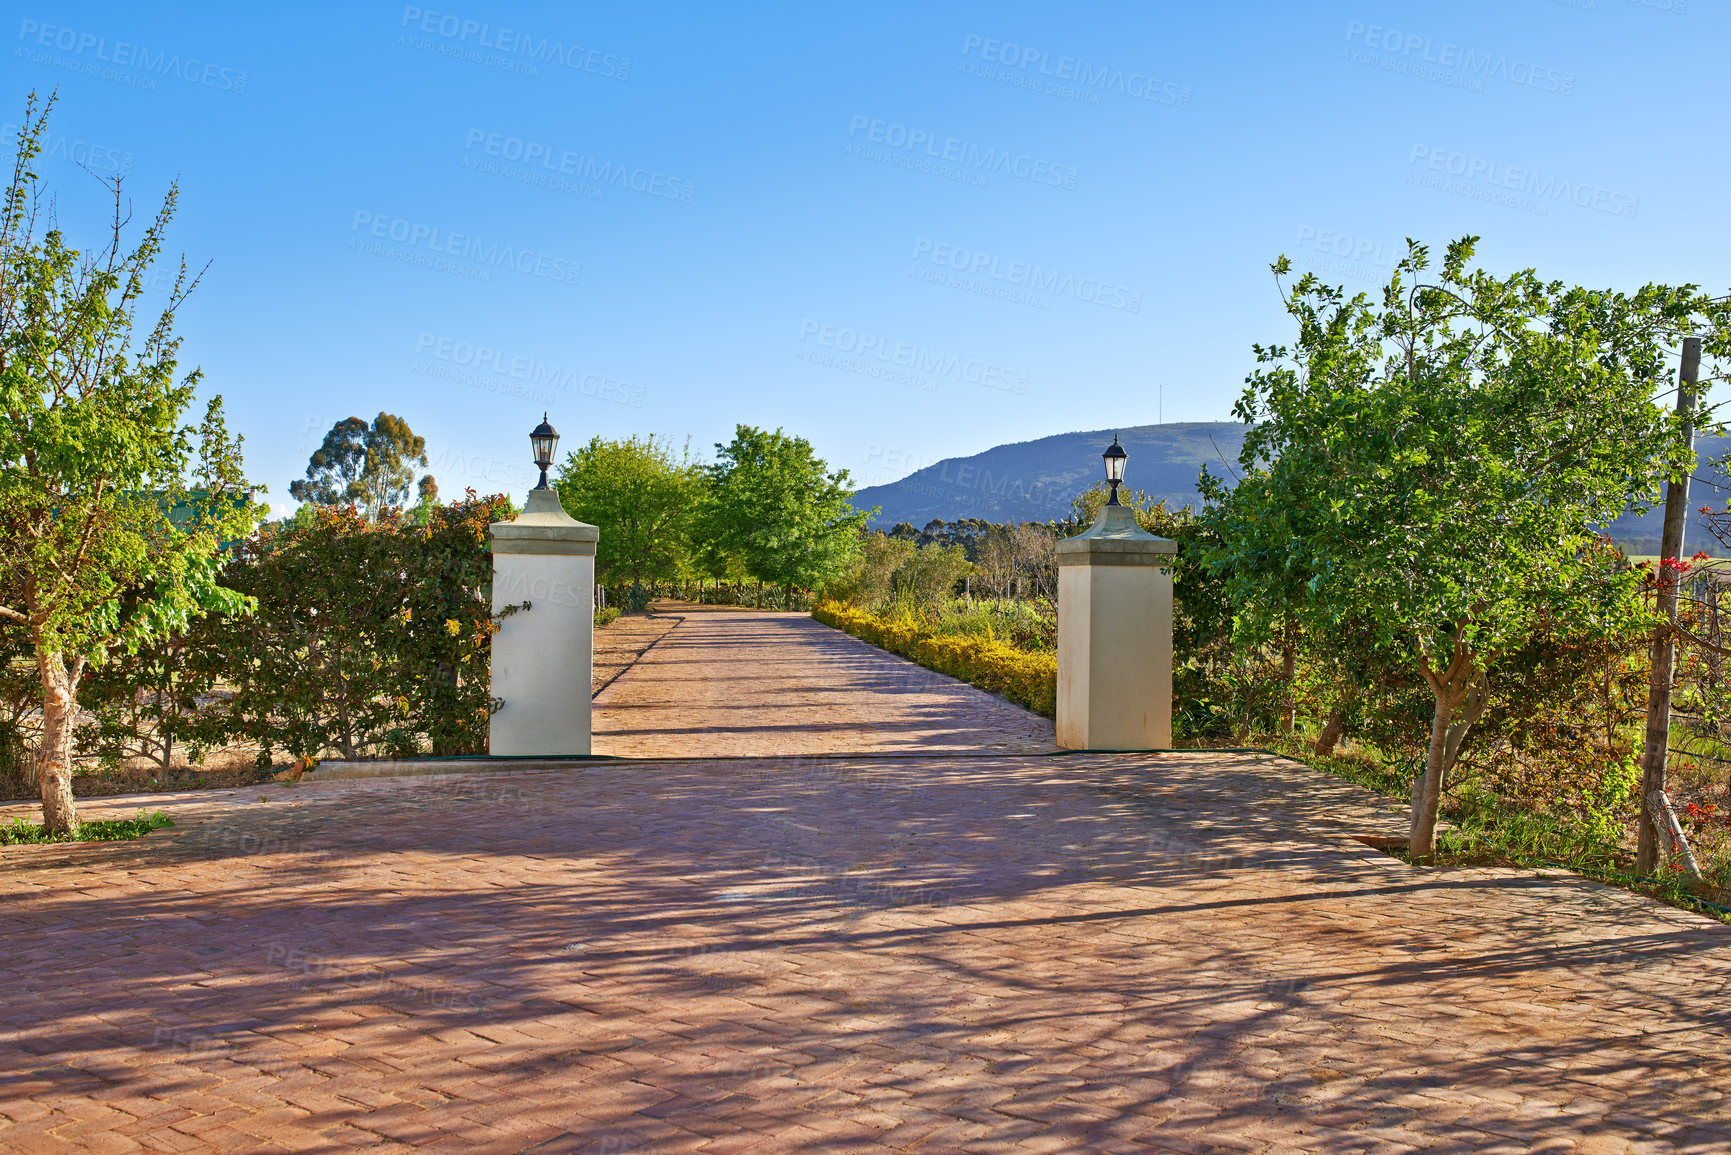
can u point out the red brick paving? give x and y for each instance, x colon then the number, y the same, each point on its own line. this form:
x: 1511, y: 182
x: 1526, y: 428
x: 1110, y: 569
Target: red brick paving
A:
x: 1082, y: 953
x: 1029, y: 952
x: 731, y: 682
x: 619, y: 643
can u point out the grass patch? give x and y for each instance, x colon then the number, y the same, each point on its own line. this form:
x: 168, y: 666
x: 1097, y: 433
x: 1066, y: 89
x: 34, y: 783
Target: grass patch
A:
x: 21, y: 833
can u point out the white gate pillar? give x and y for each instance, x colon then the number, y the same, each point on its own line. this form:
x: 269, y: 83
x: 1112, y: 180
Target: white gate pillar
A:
x: 543, y: 656
x: 1115, y: 636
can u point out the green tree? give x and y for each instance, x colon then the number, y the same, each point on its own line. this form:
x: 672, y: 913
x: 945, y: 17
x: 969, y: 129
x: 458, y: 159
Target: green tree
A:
x: 1428, y: 471
x: 146, y: 704
x: 870, y: 582
x: 994, y: 562
x: 709, y: 560
x: 775, y: 504
x: 93, y: 458
x: 925, y: 580
x: 371, y: 467
x: 642, y: 495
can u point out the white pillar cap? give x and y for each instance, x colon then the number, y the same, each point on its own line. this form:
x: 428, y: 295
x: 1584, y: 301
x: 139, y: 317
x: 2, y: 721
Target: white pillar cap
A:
x: 544, y: 527
x: 1116, y: 539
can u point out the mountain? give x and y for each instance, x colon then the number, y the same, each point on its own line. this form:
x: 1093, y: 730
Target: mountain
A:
x: 1638, y: 533
x: 1036, y: 480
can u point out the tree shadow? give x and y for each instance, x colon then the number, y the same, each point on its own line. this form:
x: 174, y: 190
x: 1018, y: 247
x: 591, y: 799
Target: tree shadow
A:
x: 964, y: 953
x: 727, y: 675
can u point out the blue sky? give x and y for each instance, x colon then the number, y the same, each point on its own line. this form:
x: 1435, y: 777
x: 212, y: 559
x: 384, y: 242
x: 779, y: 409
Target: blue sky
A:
x: 905, y: 234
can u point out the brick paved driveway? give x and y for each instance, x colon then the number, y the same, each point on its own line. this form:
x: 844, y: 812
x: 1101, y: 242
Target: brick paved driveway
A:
x: 726, y: 681
x: 1099, y: 953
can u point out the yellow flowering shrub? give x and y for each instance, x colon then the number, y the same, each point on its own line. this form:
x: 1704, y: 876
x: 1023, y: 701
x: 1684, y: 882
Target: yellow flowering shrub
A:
x: 1029, y: 680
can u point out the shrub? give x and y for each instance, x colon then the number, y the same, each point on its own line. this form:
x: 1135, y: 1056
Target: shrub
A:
x: 870, y: 583
x: 892, y: 572
x: 146, y: 704
x: 370, y: 637
x: 924, y: 582
x: 1029, y: 626
x: 1029, y: 680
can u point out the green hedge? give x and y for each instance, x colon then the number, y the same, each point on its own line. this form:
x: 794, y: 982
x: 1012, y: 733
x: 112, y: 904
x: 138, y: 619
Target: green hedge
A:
x: 1026, y: 679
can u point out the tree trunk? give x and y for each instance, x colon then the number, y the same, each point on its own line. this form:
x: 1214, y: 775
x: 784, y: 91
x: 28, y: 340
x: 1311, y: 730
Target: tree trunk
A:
x: 1331, y: 733
x: 346, y: 739
x: 1427, y: 787
x: 163, y: 730
x: 59, y: 712
x: 1335, y: 727
x: 1655, y: 754
x: 1461, y: 697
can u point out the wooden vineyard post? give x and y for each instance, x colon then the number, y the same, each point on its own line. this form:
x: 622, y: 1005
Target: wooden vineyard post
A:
x: 1664, y: 641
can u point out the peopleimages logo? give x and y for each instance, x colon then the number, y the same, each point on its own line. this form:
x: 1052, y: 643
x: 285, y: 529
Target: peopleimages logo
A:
x: 1526, y: 188
x: 928, y: 147
x: 563, y: 162
x: 1021, y: 274
x: 480, y: 467
x: 1329, y: 253
x: 1084, y: 75
x: 913, y: 358
x: 431, y: 242
x: 1455, y: 58
x: 892, y: 457
x: 98, y: 158
x: 485, y: 362
x: 122, y: 54
x: 1344, y: 245
x: 512, y: 44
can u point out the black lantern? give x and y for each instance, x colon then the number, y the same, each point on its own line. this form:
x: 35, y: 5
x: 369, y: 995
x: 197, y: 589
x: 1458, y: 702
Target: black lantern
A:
x: 1114, y: 458
x: 545, y: 439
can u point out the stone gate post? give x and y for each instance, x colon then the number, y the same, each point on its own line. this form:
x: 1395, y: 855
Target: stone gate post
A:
x: 1115, y: 636
x: 543, y: 656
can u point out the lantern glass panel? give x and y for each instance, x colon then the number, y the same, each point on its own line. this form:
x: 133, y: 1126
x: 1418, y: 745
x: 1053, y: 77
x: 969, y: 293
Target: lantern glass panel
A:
x: 1115, y: 457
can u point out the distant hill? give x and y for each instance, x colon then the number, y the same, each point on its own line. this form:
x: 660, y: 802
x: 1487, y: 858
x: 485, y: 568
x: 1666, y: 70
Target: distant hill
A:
x: 1639, y: 533
x: 1037, y: 480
